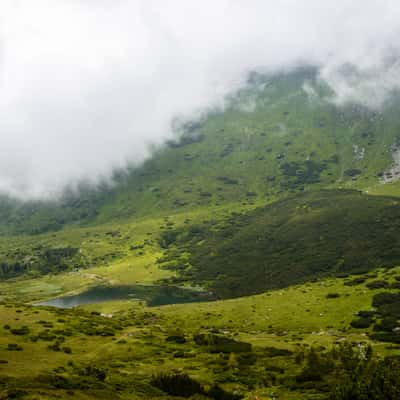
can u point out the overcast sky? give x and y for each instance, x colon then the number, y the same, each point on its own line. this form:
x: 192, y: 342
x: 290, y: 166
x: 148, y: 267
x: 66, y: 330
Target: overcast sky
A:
x: 86, y: 85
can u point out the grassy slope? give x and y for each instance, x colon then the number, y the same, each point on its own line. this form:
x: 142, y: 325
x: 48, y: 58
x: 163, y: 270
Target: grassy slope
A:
x: 271, y: 141
x: 259, y: 149
x: 248, y: 153
x: 300, y: 238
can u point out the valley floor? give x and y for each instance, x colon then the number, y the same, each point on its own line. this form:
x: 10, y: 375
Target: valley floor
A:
x: 115, y: 349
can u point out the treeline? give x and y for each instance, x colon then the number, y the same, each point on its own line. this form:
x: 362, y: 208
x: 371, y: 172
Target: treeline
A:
x: 41, y: 261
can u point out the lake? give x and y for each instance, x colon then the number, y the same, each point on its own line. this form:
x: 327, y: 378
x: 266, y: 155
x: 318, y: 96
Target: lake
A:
x: 153, y: 295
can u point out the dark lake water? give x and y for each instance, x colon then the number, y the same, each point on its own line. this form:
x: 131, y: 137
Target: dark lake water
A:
x: 152, y: 295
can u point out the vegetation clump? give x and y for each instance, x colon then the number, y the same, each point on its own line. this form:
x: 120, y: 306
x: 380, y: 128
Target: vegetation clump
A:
x: 221, y: 344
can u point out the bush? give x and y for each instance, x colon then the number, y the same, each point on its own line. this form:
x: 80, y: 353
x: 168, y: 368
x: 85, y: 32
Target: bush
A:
x: 94, y: 372
x: 221, y: 344
x: 385, y: 298
x: 24, y: 330
x: 355, y: 281
x: 378, y: 284
x: 14, y: 347
x: 366, y: 314
x: 46, y: 336
x: 361, y: 323
x: 275, y: 352
x: 376, y: 381
x: 332, y: 295
x: 15, y: 394
x: 177, y: 385
x: 180, y: 339
x: 217, y: 393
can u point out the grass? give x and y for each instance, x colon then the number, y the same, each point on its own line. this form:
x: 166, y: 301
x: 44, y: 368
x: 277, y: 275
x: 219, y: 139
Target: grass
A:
x: 290, y: 241
x: 294, y: 319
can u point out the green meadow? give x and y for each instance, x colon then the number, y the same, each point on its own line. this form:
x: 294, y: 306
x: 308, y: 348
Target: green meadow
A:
x: 282, y: 209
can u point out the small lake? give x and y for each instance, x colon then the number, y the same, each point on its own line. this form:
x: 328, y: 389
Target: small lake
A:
x: 152, y: 295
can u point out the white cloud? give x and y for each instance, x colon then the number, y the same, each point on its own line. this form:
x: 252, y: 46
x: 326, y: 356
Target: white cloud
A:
x: 86, y: 85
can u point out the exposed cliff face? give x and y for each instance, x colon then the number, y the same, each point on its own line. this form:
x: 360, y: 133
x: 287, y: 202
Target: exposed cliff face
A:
x: 393, y: 173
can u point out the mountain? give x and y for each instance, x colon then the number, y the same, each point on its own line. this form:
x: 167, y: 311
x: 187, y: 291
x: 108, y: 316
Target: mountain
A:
x: 283, y: 206
x: 281, y: 134
x: 279, y: 159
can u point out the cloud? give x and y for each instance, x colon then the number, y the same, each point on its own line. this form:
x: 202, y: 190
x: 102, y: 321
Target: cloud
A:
x: 87, y: 85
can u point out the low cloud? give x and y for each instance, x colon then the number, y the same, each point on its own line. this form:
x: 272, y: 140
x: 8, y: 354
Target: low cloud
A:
x: 86, y: 86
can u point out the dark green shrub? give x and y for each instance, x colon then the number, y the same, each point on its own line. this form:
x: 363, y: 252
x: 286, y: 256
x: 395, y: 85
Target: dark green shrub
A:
x: 15, y: 394
x: 24, y: 330
x: 378, y: 284
x: 275, y: 352
x: 388, y: 324
x: 352, y: 172
x: 54, y: 347
x: 46, y: 335
x: 332, y: 295
x: 361, y: 323
x: 14, y: 347
x: 180, y: 339
x: 385, y: 298
x: 221, y: 344
x: 217, y: 393
x: 177, y: 385
x: 374, y: 381
x: 366, y: 314
x: 355, y: 281
x: 94, y: 372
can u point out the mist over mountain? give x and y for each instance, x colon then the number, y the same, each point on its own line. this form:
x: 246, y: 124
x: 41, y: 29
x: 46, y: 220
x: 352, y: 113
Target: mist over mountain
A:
x: 87, y: 87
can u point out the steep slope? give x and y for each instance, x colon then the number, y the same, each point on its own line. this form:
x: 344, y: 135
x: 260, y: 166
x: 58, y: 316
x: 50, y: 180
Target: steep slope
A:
x: 274, y: 138
x: 279, y: 135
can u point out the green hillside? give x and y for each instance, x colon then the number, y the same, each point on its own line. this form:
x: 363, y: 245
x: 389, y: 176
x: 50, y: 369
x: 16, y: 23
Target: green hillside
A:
x: 274, y: 137
x: 304, y: 237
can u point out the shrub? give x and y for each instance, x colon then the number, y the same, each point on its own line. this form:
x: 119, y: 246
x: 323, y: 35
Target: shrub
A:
x: 97, y: 373
x: 378, y: 284
x: 14, y: 347
x: 385, y: 298
x: 177, y: 385
x: 54, y: 347
x: 332, y: 295
x: 221, y: 344
x: 275, y: 352
x: 46, y: 336
x: 15, y: 394
x: 180, y: 339
x: 217, y: 393
x: 24, y: 330
x: 366, y: 314
x: 373, y: 381
x: 361, y: 323
x: 355, y: 281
